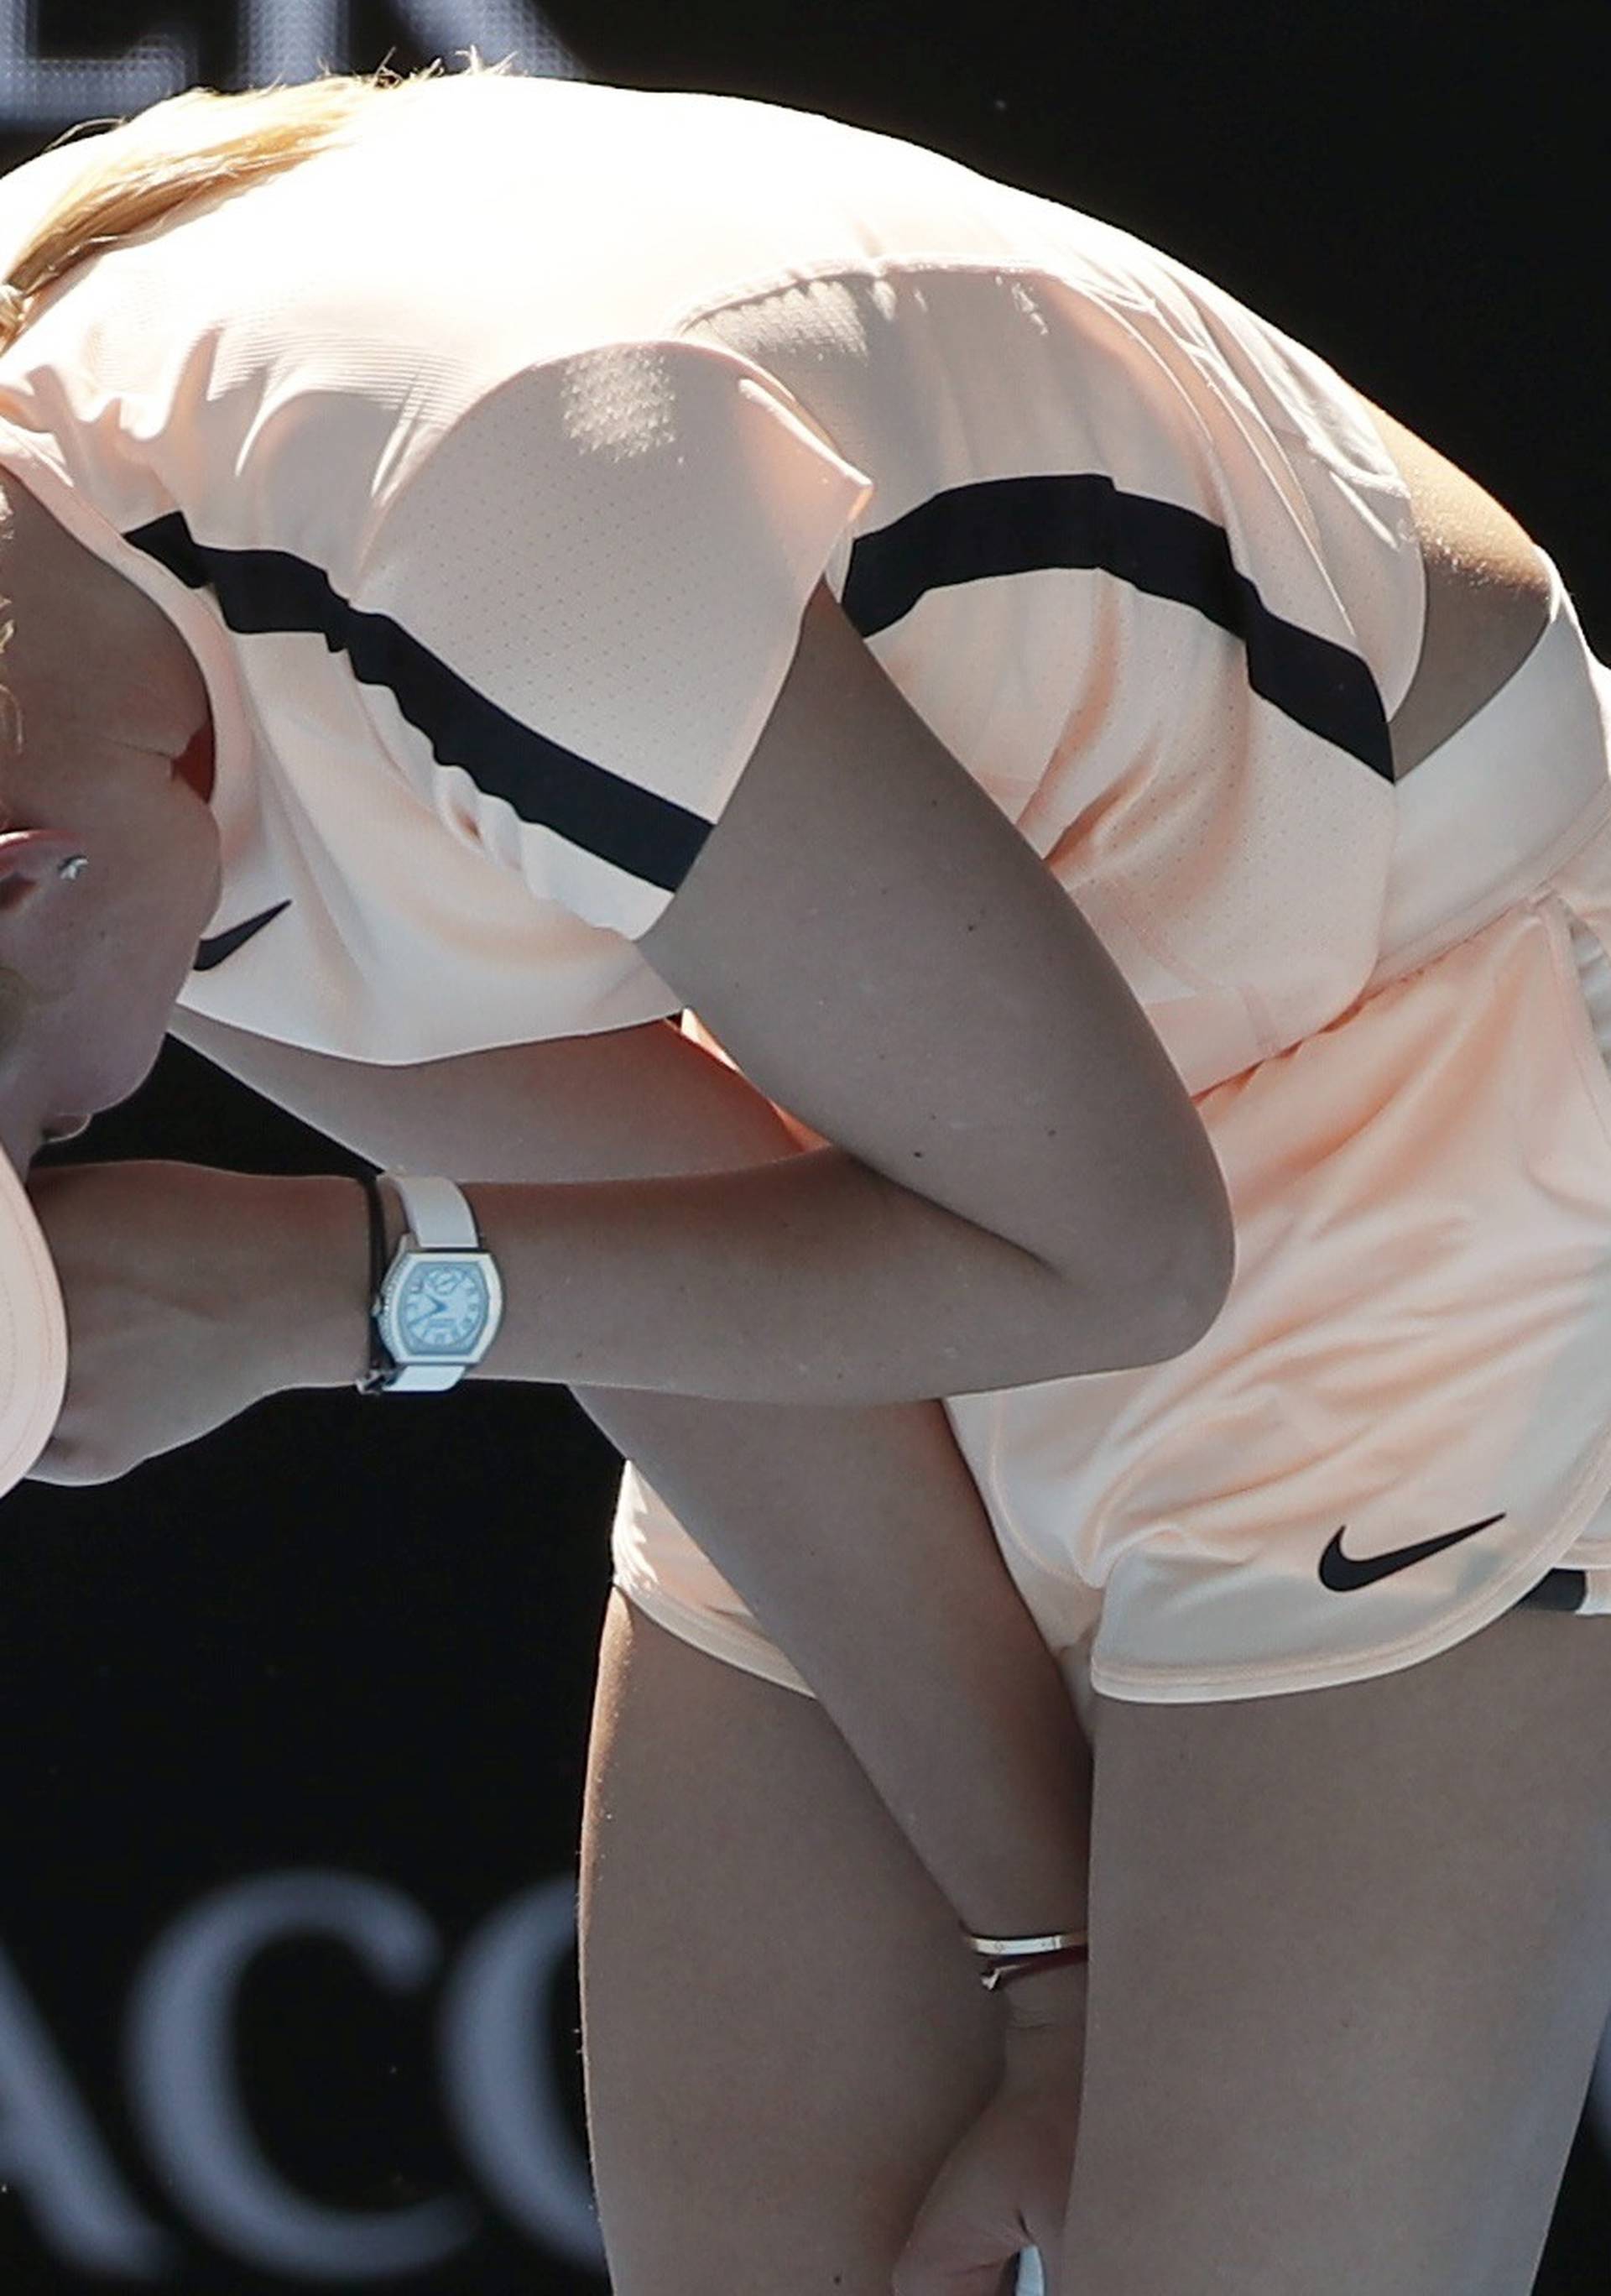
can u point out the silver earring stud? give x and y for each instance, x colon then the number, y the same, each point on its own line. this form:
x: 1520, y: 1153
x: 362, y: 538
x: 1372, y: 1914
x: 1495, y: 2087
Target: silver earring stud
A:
x: 75, y: 866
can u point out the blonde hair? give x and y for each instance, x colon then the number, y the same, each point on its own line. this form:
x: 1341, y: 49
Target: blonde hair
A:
x: 146, y: 168
x: 142, y: 171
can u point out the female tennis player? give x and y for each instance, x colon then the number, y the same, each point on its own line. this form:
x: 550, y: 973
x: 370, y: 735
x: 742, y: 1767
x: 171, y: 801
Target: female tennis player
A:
x: 1106, y: 1296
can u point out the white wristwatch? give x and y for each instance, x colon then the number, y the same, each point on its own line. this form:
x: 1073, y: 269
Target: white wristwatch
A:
x: 438, y: 1308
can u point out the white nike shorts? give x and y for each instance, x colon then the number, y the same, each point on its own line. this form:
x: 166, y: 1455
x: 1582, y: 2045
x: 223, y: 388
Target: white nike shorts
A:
x: 1399, y: 1427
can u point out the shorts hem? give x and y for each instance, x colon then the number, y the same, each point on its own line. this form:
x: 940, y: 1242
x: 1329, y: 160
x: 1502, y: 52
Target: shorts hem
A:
x: 730, y: 1643
x: 1209, y: 1685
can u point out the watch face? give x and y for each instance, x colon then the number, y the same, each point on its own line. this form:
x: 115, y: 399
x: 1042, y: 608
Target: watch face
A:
x: 443, y: 1308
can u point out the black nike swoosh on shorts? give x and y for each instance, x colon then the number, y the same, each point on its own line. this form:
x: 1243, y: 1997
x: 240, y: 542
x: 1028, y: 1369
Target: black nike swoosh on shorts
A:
x: 1344, y: 1575
x: 213, y: 952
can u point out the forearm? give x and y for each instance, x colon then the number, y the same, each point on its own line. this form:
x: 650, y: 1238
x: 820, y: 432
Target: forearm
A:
x: 860, y: 1543
x: 810, y: 1280
x: 813, y: 1280
x: 857, y: 1535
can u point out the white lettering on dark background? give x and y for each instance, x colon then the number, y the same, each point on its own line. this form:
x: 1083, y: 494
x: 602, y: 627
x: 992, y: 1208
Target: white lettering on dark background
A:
x: 187, y: 2100
x: 275, y: 40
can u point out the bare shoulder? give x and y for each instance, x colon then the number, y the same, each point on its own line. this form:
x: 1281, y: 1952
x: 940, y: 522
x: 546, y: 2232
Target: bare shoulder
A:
x: 1487, y: 593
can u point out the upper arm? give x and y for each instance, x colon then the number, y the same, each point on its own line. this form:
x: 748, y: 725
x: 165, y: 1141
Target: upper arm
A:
x: 882, y: 953
x: 624, y: 1104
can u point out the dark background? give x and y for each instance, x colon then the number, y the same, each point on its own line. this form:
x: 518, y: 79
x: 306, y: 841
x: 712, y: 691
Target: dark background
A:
x: 311, y: 1696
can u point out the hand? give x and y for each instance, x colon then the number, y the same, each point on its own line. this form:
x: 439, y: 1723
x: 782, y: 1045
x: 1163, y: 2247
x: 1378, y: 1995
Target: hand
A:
x: 1004, y: 2187
x: 178, y: 1313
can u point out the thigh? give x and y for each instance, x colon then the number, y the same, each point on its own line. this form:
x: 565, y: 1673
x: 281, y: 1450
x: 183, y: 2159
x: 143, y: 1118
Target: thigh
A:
x: 783, y: 2034
x: 1351, y: 1964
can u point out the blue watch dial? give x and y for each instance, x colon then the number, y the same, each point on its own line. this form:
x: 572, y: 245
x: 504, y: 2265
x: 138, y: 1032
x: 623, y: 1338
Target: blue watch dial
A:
x: 443, y: 1307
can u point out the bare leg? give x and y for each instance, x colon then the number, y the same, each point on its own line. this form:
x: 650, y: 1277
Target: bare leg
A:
x: 1351, y: 1964
x: 783, y: 2032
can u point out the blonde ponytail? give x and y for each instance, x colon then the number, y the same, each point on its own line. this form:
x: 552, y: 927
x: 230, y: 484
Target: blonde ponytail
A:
x: 148, y: 167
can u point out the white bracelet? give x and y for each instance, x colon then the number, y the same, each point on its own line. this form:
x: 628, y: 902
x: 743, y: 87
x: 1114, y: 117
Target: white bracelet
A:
x: 1011, y: 1948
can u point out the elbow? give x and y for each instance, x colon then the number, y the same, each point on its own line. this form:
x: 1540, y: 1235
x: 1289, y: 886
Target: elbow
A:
x: 1172, y: 1277
x: 1162, y: 1299
x: 1197, y: 1282
x: 1160, y: 1244
x: 1195, y: 1230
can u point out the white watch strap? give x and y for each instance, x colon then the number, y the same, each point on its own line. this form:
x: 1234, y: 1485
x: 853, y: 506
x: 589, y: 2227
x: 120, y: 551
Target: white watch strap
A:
x: 425, y: 1379
x: 438, y: 1211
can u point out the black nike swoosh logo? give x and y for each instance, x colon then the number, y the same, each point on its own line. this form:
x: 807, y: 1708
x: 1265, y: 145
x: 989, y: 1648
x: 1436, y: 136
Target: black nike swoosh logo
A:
x: 1344, y: 1575
x: 209, y: 953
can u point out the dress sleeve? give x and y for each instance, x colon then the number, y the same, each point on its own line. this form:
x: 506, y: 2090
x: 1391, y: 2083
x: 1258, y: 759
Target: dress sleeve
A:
x: 575, y: 612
